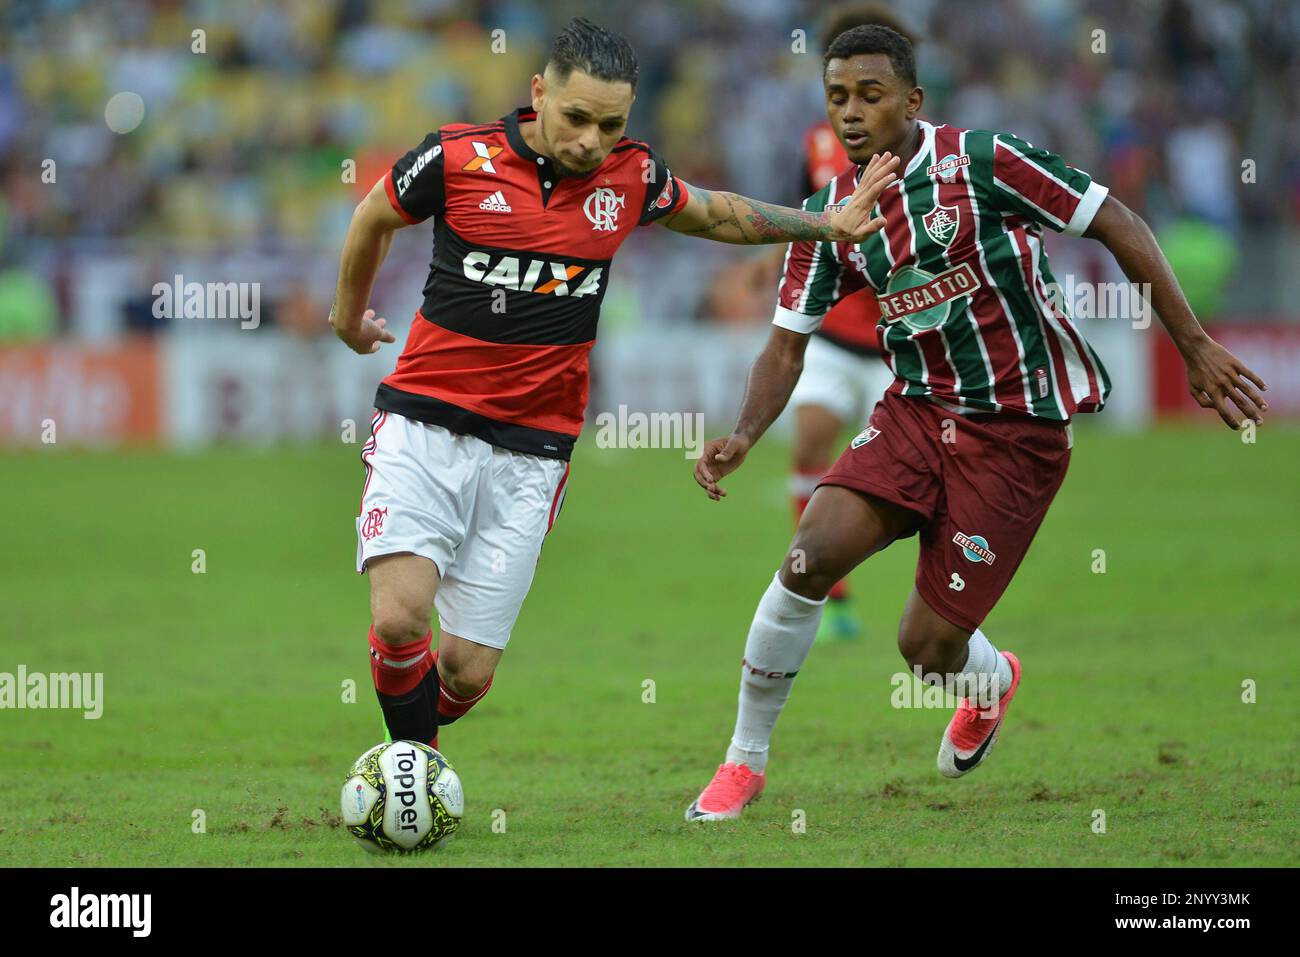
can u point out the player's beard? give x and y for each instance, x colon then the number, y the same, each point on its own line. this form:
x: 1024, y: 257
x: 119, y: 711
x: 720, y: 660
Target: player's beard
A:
x: 562, y: 169
x: 568, y: 172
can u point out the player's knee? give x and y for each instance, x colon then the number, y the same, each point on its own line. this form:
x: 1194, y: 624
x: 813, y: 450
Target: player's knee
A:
x: 397, y: 623
x: 805, y: 574
x: 463, y: 677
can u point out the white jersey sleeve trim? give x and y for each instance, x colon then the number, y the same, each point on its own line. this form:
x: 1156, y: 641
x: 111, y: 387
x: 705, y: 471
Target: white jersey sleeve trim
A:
x: 1092, y: 199
x: 796, y: 321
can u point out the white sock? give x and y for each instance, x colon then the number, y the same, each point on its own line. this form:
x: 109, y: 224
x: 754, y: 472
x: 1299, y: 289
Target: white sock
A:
x: 778, y: 644
x: 984, y: 666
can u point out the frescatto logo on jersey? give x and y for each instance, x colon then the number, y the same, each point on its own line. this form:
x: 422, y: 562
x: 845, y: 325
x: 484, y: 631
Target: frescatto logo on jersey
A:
x: 948, y: 166
x: 921, y: 300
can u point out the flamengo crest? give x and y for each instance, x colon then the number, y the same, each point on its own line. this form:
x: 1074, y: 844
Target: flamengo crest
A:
x: 941, y: 224
x: 602, y: 208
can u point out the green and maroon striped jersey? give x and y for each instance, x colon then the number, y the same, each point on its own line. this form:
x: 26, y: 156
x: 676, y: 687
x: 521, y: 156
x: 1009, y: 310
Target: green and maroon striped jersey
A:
x: 967, y: 314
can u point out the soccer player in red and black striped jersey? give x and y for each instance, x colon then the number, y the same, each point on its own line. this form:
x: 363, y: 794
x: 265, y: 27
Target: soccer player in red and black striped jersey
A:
x: 467, y: 462
x: 971, y: 442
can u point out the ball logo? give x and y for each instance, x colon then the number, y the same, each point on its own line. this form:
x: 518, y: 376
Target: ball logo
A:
x: 404, y: 791
x: 974, y: 547
x: 373, y: 526
x: 449, y: 791
x: 602, y: 208
x: 361, y: 799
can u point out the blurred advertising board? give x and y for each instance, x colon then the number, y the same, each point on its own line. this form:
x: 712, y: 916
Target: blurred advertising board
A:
x: 62, y: 392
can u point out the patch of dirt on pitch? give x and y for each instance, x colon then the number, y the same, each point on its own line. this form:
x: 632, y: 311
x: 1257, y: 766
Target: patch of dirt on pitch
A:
x: 893, y: 789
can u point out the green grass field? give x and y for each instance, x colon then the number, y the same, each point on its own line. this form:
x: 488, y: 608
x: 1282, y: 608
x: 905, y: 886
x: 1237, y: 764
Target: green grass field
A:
x: 224, y: 690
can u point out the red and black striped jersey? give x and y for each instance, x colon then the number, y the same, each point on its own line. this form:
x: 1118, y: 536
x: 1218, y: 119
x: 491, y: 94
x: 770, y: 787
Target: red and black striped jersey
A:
x: 499, y: 348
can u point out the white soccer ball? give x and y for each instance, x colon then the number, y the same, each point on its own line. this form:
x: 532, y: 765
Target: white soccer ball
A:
x: 402, y: 796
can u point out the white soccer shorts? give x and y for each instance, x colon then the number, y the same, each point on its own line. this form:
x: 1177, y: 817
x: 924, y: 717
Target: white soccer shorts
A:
x: 844, y: 382
x: 478, y: 512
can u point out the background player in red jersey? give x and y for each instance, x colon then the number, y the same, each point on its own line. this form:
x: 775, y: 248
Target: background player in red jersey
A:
x: 972, y: 441
x: 844, y: 372
x: 468, y: 457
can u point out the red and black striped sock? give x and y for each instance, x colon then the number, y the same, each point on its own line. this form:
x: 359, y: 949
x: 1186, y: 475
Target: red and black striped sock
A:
x: 406, y: 683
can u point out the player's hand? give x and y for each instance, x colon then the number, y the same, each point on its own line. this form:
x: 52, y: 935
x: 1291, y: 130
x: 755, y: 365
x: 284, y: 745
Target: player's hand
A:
x: 1215, y: 377
x: 368, y: 334
x: 852, y: 222
x: 720, y: 458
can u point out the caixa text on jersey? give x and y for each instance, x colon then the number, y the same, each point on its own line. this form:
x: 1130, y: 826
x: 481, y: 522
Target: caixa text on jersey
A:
x: 531, y: 275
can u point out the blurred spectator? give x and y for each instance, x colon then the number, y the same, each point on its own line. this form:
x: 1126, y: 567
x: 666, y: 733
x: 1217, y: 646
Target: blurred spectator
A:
x: 27, y: 307
x: 264, y: 122
x: 1203, y: 256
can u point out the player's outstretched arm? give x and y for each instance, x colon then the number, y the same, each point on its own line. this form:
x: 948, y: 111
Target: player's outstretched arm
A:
x: 729, y: 218
x: 1214, y: 375
x: 772, y: 378
x: 369, y: 235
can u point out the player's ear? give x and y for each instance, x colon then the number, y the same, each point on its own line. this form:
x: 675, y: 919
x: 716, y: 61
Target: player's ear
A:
x: 538, y: 88
x: 914, y: 100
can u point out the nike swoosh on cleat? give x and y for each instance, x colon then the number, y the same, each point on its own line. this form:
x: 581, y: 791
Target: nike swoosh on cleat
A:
x: 693, y: 813
x: 965, y: 764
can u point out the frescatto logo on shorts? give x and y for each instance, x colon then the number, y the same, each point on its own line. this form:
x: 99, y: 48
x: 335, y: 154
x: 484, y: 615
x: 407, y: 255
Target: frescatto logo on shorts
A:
x: 974, y: 547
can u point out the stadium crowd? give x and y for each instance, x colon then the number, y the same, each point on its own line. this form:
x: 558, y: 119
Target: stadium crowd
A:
x: 254, y: 113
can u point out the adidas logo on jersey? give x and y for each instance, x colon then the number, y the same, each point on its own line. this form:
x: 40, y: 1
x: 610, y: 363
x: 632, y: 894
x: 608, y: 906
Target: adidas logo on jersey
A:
x: 496, y: 203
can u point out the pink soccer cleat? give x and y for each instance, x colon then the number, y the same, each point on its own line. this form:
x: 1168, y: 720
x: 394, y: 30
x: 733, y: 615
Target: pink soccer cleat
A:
x: 973, y: 731
x: 733, y: 787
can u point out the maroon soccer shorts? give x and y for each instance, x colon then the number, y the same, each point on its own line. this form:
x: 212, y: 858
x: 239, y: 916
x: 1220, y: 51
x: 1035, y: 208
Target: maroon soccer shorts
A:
x: 980, y: 485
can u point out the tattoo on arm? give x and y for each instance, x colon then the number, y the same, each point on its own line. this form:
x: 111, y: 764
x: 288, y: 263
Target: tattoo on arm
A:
x: 702, y: 196
x: 773, y: 224
x: 738, y: 219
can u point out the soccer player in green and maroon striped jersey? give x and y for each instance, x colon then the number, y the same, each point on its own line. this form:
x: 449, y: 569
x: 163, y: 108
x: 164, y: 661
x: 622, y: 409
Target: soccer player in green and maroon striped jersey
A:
x: 971, y: 442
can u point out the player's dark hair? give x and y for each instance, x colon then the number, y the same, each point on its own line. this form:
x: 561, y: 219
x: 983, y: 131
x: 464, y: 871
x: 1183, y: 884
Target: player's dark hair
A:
x: 875, y: 39
x: 596, y: 52
x: 852, y: 15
